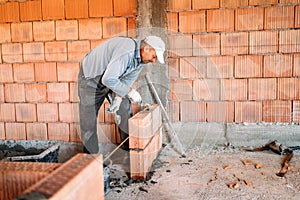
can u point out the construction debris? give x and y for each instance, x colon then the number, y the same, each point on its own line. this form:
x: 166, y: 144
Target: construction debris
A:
x: 277, y: 148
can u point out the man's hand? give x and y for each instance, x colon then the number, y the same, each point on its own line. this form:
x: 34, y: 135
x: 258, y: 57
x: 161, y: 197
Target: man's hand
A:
x: 134, y: 96
x: 115, y: 105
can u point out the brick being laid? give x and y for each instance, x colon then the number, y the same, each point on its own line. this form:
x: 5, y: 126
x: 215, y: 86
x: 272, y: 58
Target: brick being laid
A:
x: 143, y: 126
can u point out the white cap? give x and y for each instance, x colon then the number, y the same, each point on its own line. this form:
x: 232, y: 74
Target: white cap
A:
x: 158, y: 44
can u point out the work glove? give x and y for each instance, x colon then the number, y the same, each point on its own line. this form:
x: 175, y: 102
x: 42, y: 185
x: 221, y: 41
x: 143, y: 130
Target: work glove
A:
x: 115, y: 105
x: 134, y: 96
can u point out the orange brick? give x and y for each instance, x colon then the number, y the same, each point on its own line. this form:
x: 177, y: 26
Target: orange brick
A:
x: 23, y: 72
x: 248, y: 66
x: 141, y: 161
x: 181, y: 45
x: 76, y: 9
x: 234, y: 43
x: 297, y: 17
x: 45, y: 72
x: 5, y: 35
x: 296, y: 111
x: 288, y: 1
x: 43, y: 31
x: 249, y: 18
x: 173, y: 111
x: 263, y: 42
x: 67, y: 71
x: 106, y: 133
x: 7, y: 112
x: 101, y: 8
x: 1, y: 93
x: 2, y: 131
x: 15, y: 131
x: 127, y: 9
x: 131, y: 27
x: 192, y: 67
x: 59, y: 131
x: 90, y: 29
x: 288, y: 88
x: 74, y: 133
x: 289, y: 41
x: 206, y: 44
x: 220, y: 20
x: 74, y: 92
x: 179, y: 5
x: 277, y: 111
x: 220, y: 111
x: 206, y: 89
x: 192, y: 111
x: 262, y: 2
x: 33, y: 52
x: 205, y: 4
x: 101, y: 114
x: 6, y: 73
x: 36, y: 131
x: 30, y: 10
x: 47, y: 112
x: 21, y: 32
x: 143, y: 126
x: 54, y: 9
x: 140, y: 130
x: 248, y: 111
x: 14, y: 92
x: 234, y: 89
x: 68, y: 112
x: 95, y: 43
x: 9, y: 12
x: 12, y: 52
x: 192, y: 22
x: 172, y: 22
x: 279, y: 17
x: 278, y: 66
x: 233, y: 3
x: 220, y: 67
x: 58, y: 92
x: 80, y: 180
x: 77, y: 50
x: 114, y: 26
x: 296, y: 65
x: 173, y: 68
x: 56, y: 51
x: 35, y: 93
x: 66, y: 30
x: 26, y: 112
x: 181, y: 90
x: 107, y: 116
x: 262, y: 89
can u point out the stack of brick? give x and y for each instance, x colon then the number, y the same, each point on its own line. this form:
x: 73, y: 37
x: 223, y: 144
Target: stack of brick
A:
x: 79, y: 178
x: 145, y: 140
x: 15, y: 177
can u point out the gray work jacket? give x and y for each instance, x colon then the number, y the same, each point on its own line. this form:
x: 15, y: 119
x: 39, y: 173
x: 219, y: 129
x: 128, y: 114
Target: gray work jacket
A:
x: 117, y: 60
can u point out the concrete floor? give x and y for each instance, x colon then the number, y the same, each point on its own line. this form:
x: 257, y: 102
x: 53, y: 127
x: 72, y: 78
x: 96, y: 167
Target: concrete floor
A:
x: 213, y: 162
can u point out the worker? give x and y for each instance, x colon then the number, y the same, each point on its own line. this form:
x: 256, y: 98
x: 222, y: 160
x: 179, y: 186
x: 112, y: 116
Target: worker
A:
x: 109, y: 71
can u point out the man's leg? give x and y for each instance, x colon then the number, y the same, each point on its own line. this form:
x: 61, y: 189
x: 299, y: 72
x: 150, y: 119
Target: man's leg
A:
x: 125, y: 112
x: 91, y: 100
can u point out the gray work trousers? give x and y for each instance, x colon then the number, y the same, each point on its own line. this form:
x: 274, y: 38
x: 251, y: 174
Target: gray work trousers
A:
x: 92, y: 94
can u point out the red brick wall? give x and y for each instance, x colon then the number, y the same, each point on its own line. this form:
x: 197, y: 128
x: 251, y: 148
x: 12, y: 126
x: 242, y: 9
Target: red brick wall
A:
x: 234, y: 60
x: 42, y: 43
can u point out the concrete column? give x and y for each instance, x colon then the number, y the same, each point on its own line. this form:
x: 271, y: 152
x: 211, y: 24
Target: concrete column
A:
x: 151, y: 20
